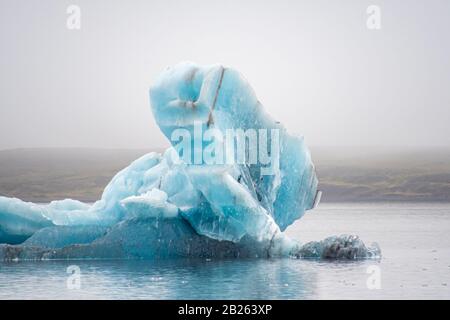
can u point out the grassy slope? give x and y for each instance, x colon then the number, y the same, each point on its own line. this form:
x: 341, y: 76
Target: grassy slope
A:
x: 381, y: 175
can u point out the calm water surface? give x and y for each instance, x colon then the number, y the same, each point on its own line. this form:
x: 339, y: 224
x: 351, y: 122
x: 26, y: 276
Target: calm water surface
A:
x: 414, y: 239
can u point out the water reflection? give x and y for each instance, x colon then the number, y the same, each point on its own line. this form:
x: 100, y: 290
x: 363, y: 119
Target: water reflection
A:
x: 176, y: 279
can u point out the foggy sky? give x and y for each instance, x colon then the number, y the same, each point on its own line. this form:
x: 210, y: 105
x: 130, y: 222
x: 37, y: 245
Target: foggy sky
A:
x: 313, y: 64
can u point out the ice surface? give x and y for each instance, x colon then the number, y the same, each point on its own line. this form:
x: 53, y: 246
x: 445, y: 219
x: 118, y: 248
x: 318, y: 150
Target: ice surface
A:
x: 140, y: 238
x: 240, y: 198
x: 178, y: 204
x: 62, y: 236
x: 19, y: 220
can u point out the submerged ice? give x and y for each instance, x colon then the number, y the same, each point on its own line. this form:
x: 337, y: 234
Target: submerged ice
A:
x: 205, y: 196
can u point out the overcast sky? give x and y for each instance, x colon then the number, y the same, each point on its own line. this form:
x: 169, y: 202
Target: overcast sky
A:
x: 315, y: 66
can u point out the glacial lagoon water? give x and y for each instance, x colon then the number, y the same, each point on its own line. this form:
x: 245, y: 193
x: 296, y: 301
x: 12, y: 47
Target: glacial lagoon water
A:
x: 414, y: 239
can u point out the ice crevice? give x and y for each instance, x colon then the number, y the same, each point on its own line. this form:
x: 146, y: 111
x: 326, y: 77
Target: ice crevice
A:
x: 191, y: 201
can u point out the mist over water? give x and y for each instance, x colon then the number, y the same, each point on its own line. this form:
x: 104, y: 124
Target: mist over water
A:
x: 314, y: 65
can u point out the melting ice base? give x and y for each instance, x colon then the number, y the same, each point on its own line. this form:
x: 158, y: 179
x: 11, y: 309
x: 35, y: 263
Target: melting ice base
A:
x: 165, y: 205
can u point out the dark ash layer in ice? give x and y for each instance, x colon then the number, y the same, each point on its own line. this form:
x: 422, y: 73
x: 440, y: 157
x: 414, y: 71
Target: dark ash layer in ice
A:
x: 344, y: 247
x: 151, y: 238
x: 137, y: 238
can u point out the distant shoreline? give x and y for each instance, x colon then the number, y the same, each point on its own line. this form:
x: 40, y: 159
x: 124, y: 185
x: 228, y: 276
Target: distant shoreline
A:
x: 345, y: 175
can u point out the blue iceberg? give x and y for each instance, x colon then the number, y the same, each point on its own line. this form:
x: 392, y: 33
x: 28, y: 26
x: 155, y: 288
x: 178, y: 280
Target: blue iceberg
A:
x: 232, y: 181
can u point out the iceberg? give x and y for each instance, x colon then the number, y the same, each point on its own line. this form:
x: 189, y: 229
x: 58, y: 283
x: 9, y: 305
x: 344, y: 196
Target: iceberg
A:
x: 232, y: 181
